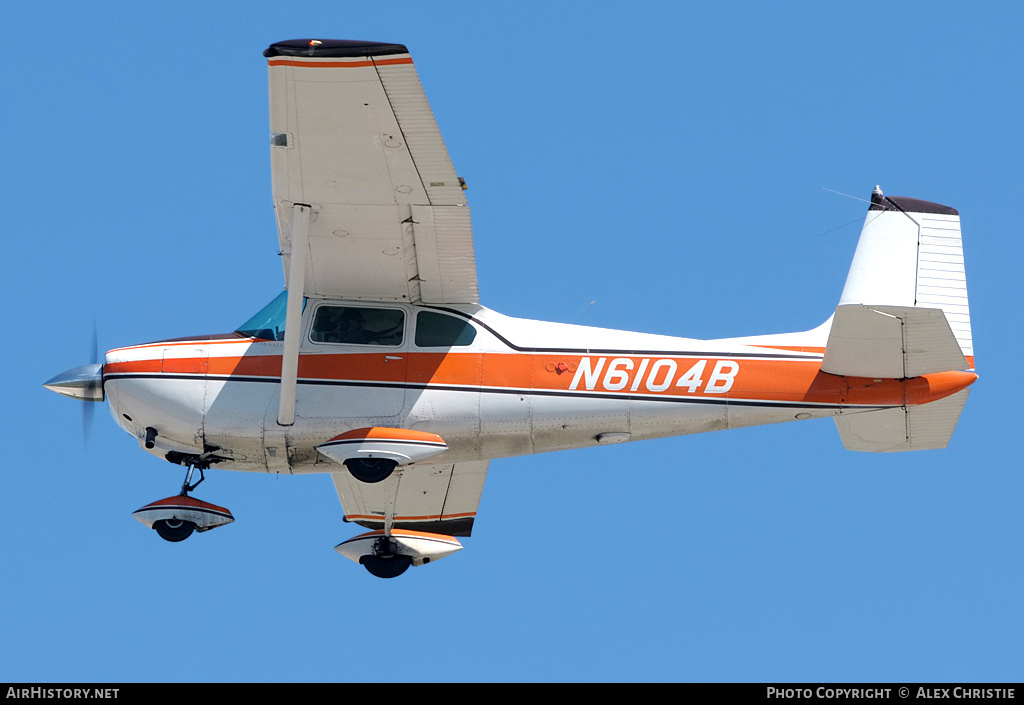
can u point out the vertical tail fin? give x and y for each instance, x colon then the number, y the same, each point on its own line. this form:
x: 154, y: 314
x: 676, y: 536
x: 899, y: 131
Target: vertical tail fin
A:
x: 903, y: 313
x: 910, y: 254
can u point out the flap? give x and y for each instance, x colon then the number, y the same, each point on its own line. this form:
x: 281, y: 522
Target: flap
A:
x: 440, y: 499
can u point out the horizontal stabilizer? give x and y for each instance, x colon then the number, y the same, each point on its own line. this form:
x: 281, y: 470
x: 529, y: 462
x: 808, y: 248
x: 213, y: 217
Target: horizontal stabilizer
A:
x: 923, y: 427
x: 891, y: 342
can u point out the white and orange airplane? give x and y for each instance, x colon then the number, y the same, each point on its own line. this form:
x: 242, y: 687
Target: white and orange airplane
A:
x: 378, y: 365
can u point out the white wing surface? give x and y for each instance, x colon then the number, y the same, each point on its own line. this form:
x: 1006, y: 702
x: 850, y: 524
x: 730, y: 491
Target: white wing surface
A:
x: 352, y: 136
x: 438, y: 499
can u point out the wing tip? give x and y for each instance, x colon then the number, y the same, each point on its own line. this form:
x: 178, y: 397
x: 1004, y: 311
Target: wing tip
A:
x: 333, y: 48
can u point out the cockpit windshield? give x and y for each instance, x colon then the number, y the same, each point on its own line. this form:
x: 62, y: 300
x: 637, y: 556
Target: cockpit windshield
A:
x: 268, y: 323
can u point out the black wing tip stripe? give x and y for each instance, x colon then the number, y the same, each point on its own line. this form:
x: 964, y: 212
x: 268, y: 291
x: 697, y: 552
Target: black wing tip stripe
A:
x: 333, y: 48
x: 450, y: 527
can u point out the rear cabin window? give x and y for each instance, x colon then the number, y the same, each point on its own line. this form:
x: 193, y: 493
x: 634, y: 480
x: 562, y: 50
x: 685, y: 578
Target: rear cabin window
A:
x: 352, y: 325
x: 436, y: 330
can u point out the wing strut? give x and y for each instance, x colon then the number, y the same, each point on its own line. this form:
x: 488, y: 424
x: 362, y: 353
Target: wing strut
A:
x: 293, y: 314
x: 391, y: 494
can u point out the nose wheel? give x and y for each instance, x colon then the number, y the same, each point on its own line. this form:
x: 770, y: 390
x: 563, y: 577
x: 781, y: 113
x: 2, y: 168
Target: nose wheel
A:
x: 174, y: 529
x: 175, y: 518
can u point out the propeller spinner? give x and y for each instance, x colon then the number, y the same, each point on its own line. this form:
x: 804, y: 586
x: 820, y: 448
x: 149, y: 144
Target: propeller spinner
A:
x: 84, y: 382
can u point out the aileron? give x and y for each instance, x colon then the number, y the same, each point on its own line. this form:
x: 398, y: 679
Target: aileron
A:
x: 439, y: 498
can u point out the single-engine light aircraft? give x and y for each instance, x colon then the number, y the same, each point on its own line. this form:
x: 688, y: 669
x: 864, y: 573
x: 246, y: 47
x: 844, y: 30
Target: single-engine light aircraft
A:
x: 378, y: 365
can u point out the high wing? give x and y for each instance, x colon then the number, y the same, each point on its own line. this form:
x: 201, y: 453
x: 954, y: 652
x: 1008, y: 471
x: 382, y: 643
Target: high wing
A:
x: 353, y: 136
x: 439, y: 499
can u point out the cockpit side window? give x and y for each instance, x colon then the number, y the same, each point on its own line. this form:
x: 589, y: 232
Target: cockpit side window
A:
x: 437, y: 330
x: 351, y: 325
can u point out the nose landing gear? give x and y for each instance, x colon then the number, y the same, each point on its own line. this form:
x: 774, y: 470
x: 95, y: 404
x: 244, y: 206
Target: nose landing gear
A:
x: 175, y: 518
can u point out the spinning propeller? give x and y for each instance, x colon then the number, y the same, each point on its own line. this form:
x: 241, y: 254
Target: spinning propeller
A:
x: 84, y: 382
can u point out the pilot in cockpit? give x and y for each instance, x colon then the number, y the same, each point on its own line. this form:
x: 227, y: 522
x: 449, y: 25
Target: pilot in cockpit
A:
x: 351, y: 327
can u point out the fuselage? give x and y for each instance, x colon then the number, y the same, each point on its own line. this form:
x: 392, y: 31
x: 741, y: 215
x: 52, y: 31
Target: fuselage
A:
x: 491, y: 386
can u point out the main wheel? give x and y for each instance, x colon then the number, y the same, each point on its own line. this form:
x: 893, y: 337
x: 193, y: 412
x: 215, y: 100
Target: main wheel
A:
x: 370, y: 469
x: 386, y: 566
x: 174, y: 529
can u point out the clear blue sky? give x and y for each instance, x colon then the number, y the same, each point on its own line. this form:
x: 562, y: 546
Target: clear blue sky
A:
x: 667, y: 162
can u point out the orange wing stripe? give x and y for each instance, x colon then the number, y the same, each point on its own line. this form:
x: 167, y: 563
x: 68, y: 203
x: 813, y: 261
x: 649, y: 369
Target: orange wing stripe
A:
x: 406, y: 532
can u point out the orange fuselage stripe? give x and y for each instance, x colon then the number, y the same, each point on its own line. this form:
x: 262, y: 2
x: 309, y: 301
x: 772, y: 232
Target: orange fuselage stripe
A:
x: 798, y: 381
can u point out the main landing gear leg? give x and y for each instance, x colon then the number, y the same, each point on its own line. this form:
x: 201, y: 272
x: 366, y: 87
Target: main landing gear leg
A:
x: 386, y: 561
x: 175, y: 518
